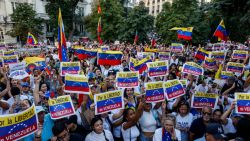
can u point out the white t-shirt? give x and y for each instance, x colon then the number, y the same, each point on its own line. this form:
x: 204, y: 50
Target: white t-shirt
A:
x: 200, y: 88
x: 92, y: 136
x: 148, y: 122
x: 229, y: 127
x: 184, y: 122
x: 158, y: 134
x: 3, y: 112
x: 130, y: 134
x: 116, y: 130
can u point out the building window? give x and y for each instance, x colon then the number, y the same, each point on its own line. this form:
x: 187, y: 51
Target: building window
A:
x: 1, y: 35
x: 158, y: 0
x: 81, y: 28
x: 48, y: 28
x: 153, y: 1
x: 14, y: 5
x: 81, y: 11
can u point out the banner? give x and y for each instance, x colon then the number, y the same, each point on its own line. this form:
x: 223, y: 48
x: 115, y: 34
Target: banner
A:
x: 34, y: 63
x: 210, y: 63
x: 156, y: 69
x: 17, y: 66
x: 69, y: 67
x: 226, y: 74
x: 192, y: 68
x: 82, y: 53
x: 127, y: 79
x: 108, y: 101
x: 176, y: 47
x: 18, y: 74
x: 139, y: 65
x: 184, y: 83
x: 109, y: 58
x: 147, y: 49
x: 76, y: 84
x: 240, y: 54
x: 9, y: 59
x: 19, y: 125
x: 9, y: 53
x: 164, y: 56
x: 242, y: 103
x: 218, y: 46
x: 217, y: 55
x: 173, y: 89
x: 145, y: 54
x: 61, y: 107
x: 235, y: 67
x: 154, y: 91
x: 200, y: 100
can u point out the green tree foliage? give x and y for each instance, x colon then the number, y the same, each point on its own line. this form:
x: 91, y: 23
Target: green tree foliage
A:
x: 138, y: 19
x: 24, y: 18
x: 112, y: 20
x: 70, y: 18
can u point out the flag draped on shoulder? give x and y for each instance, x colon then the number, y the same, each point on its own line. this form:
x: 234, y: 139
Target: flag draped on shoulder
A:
x: 62, y: 48
x: 31, y: 40
x: 221, y: 32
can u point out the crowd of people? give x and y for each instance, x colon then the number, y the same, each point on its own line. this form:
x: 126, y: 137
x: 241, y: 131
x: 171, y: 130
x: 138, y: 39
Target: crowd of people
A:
x: 170, y: 120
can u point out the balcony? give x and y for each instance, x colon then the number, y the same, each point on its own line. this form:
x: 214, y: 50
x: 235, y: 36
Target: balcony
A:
x: 43, y: 16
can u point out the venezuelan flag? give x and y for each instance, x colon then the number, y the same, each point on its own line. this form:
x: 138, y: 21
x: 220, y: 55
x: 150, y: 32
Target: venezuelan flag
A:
x: 31, y: 40
x: 201, y: 54
x: 84, y: 54
x: 184, y: 33
x: 109, y: 58
x: 62, y: 48
x: 76, y: 83
x: 210, y: 63
x: 221, y: 32
x: 34, y: 63
x: 154, y: 91
x: 204, y: 101
x: 141, y: 65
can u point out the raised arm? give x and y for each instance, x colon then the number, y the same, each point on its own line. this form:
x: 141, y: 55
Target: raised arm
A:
x: 227, y: 113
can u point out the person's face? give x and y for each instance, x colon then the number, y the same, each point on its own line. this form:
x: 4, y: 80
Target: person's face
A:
x: 169, y: 125
x: 130, y: 92
x: 147, y: 106
x: 131, y: 115
x: 41, y: 116
x: 183, y: 109
x: 98, y: 72
x: 98, y: 127
x: 206, y: 114
x: 210, y: 137
x: 24, y: 105
x: 14, y: 82
x: 216, y: 116
x: 43, y: 87
x: 170, y: 77
x: 25, y: 89
x: 70, y: 126
x: 64, y: 136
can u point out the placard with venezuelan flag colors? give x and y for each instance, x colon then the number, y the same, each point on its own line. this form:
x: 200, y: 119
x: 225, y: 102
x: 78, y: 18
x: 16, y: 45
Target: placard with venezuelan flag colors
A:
x: 176, y: 47
x: 154, y: 91
x: 104, y: 48
x: 242, y: 103
x: 164, y: 56
x: 200, y: 100
x: 9, y: 53
x: 235, y: 67
x: 127, y: 79
x: 209, y: 63
x: 173, y: 89
x: 61, y: 107
x: 192, y: 68
x: 69, y: 67
x: 217, y: 55
x: 240, y: 54
x: 145, y: 54
x: 226, y: 74
x: 76, y: 84
x: 19, y: 125
x: 109, y: 58
x: 156, y: 69
x: 108, y: 101
x: 1, y: 62
x: 9, y: 59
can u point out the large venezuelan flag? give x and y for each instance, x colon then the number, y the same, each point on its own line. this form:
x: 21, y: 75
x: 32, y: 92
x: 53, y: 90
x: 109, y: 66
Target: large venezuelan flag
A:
x: 221, y: 32
x: 62, y: 48
x: 84, y: 54
x: 185, y: 33
x: 31, y: 40
x: 135, y: 65
x: 109, y: 58
x: 201, y: 54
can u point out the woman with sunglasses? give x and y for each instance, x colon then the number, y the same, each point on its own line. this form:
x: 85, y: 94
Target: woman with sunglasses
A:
x: 168, y: 132
x: 98, y: 133
x: 130, y: 128
x: 183, y: 119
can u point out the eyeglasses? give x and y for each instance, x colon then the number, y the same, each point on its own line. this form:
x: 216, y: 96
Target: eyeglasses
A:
x: 206, y: 113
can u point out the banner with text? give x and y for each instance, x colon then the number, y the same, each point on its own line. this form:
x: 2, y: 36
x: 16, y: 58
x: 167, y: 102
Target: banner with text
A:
x: 173, y: 89
x: 164, y: 56
x: 9, y: 59
x: 127, y: 79
x: 192, y: 68
x: 240, y: 54
x: 156, y: 69
x: 69, y: 67
x: 242, y: 103
x: 154, y: 91
x: 200, y: 100
x: 235, y: 67
x: 76, y: 84
x: 176, y: 47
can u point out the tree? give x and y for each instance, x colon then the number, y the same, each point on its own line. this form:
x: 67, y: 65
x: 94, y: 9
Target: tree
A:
x: 112, y: 20
x: 70, y: 18
x: 24, y: 18
x: 138, y: 20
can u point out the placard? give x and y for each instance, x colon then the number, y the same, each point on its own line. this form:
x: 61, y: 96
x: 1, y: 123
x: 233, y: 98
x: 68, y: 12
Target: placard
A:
x: 154, y: 91
x: 156, y: 69
x: 76, y: 84
x: 200, y: 100
x: 173, y: 89
x: 69, y: 67
x: 242, y: 103
x: 127, y: 79
x: 192, y: 68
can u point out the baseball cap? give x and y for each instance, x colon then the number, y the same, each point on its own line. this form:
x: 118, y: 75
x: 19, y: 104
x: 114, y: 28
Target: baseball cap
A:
x: 25, y: 84
x: 237, y: 115
x: 215, y: 130
x: 39, y: 109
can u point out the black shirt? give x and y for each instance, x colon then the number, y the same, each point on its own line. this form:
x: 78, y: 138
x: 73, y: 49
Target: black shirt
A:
x: 243, y: 128
x: 198, y: 128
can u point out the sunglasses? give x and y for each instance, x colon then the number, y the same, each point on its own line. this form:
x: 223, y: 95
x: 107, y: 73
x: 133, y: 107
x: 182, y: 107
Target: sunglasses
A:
x: 206, y: 113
